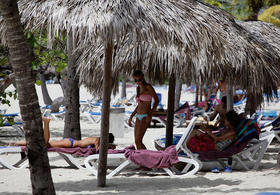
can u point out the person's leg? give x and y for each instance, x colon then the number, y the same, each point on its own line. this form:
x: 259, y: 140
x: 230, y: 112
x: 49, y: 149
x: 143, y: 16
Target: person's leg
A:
x: 139, y: 132
x: 194, y: 133
x: 46, y: 123
x: 65, y: 143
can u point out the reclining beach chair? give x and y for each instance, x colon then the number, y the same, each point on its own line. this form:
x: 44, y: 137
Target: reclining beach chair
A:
x: 14, y: 125
x: 271, y: 126
x: 65, y: 153
x: 192, y: 165
x: 248, y: 155
x: 180, y: 116
x: 251, y: 151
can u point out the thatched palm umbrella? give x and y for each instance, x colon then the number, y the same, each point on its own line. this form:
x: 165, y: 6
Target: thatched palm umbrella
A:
x: 187, y: 38
x: 268, y: 34
x: 197, y: 28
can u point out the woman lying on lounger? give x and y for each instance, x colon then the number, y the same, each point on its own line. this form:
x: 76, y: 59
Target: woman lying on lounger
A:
x: 238, y: 130
x: 93, y: 142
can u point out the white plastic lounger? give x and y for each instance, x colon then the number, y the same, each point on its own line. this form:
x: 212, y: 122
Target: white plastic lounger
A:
x: 12, y: 149
x: 253, y: 153
x: 24, y: 162
x: 192, y: 164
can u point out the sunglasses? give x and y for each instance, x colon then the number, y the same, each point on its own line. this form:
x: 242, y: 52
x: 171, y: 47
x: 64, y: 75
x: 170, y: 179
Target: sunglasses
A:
x: 138, y: 80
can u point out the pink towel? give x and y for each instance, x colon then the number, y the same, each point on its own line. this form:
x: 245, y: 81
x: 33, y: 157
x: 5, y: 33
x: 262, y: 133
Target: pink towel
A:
x: 152, y: 159
x: 75, y: 151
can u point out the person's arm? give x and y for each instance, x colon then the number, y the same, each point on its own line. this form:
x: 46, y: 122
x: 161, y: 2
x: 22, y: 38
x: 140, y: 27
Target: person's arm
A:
x: 154, y: 95
x: 97, y: 143
x: 217, y: 88
x: 228, y: 135
x: 213, y: 115
x: 131, y: 116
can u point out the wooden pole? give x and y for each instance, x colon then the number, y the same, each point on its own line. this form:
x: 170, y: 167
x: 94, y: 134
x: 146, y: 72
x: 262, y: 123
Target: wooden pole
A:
x: 229, y: 96
x: 170, y: 110
x: 106, y: 98
x: 123, y: 92
x: 178, y: 89
x: 200, y: 92
x: 196, y: 93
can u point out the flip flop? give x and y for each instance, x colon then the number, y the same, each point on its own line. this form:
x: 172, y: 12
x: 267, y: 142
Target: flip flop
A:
x: 215, y: 170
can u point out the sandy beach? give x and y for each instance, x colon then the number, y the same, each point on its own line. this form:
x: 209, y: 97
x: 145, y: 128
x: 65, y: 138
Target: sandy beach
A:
x: 73, y: 181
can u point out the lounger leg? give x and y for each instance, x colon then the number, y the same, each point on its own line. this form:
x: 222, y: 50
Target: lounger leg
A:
x: 119, y: 168
x: 260, y: 156
x: 70, y: 160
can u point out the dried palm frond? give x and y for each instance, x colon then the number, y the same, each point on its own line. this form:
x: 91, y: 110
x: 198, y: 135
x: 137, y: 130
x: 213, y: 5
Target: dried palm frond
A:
x: 190, y: 39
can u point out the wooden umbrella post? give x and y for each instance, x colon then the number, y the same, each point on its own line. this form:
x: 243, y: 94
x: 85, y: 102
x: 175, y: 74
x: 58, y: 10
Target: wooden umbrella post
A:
x: 170, y: 110
x: 229, y: 96
x: 104, y: 135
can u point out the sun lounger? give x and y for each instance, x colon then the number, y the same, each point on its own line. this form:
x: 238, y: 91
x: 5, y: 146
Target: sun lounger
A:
x: 13, y: 124
x: 251, y: 151
x: 192, y: 165
x: 65, y: 153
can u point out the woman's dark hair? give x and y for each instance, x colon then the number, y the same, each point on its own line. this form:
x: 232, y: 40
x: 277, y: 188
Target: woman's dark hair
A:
x: 111, y: 138
x: 141, y: 74
x: 138, y: 73
x: 233, y: 118
x: 224, y: 100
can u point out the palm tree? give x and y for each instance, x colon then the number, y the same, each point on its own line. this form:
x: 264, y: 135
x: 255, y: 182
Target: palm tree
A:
x: 21, y: 61
x: 72, y: 118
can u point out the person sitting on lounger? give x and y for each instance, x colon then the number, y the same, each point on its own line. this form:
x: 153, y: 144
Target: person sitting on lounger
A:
x: 93, y: 142
x: 221, y: 111
x: 238, y: 130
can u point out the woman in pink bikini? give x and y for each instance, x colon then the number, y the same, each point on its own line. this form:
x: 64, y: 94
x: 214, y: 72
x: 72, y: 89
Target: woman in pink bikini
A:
x: 143, y: 112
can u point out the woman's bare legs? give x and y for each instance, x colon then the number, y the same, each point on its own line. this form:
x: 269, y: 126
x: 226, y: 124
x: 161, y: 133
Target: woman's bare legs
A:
x: 46, y: 125
x: 139, y: 132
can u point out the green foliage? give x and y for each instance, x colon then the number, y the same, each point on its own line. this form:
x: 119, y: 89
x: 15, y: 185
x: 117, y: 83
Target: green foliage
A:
x: 271, y: 15
x: 9, y: 120
x: 5, y: 95
x: 241, y: 9
x: 42, y: 56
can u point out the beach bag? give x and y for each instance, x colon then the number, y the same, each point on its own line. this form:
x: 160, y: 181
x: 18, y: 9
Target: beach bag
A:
x: 202, y: 143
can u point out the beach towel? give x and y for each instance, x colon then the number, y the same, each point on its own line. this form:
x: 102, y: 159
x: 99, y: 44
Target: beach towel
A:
x: 74, y: 151
x: 245, y: 131
x: 150, y: 158
x: 229, y: 151
x: 202, y: 142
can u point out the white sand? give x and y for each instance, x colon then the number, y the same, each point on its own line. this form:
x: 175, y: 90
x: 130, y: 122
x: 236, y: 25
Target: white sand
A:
x: 72, y: 181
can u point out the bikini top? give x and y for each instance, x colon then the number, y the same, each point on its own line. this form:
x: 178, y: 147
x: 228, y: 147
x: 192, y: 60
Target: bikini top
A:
x: 144, y: 98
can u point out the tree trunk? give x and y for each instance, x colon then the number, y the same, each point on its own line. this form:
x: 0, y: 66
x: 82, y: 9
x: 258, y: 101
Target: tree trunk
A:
x: 196, y: 93
x: 229, y: 96
x: 63, y: 84
x: 72, y: 127
x: 29, y: 107
x: 46, y: 97
x: 255, y: 6
x: 178, y: 89
x: 170, y: 111
x: 106, y: 98
x: 123, y: 93
x: 200, y: 92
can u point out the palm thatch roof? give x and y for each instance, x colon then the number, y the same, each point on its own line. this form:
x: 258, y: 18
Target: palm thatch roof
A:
x: 267, y: 34
x: 191, y: 39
